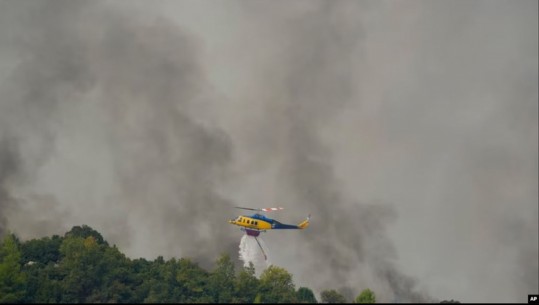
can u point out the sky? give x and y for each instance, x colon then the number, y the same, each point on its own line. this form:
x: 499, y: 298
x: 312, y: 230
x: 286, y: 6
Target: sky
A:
x: 407, y: 129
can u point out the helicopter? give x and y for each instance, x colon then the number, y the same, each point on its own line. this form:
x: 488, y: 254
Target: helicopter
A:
x: 254, y: 224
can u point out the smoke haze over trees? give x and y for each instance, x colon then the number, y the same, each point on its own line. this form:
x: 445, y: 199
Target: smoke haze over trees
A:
x: 407, y: 129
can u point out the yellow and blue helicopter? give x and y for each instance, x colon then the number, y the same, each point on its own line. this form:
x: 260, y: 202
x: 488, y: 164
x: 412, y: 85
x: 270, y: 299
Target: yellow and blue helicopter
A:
x: 254, y: 224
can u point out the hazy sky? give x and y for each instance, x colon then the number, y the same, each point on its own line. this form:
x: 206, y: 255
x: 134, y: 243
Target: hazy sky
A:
x: 408, y: 129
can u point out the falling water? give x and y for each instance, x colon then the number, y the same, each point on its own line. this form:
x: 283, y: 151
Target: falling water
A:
x: 251, y: 252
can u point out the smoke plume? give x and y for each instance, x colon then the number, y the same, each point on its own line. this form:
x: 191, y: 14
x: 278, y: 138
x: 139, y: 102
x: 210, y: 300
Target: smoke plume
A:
x: 407, y: 129
x: 100, y: 103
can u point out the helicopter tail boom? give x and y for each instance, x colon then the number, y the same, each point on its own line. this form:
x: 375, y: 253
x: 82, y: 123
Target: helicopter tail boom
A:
x: 304, y: 224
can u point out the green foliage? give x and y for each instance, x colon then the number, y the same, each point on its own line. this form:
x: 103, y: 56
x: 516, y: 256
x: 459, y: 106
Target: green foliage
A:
x: 366, y: 296
x: 44, y: 284
x: 305, y: 295
x: 12, y: 279
x: 84, y: 232
x: 221, y: 281
x: 193, y: 282
x: 42, y: 250
x: 246, y: 286
x: 276, y: 286
x: 332, y: 296
x: 81, y: 267
x: 116, y: 280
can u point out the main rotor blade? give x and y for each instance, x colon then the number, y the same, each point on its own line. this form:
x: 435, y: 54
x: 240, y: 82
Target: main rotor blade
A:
x: 263, y: 210
x: 251, y: 209
x: 272, y: 209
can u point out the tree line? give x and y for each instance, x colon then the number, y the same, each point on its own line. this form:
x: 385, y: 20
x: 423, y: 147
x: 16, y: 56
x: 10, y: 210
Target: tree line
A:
x: 81, y: 267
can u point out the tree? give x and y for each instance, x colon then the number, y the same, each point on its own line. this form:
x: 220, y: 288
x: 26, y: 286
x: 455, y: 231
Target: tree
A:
x: 42, y: 250
x: 366, y: 296
x: 276, y: 286
x: 84, y: 232
x: 306, y: 295
x: 246, y: 286
x: 160, y: 282
x: 221, y: 281
x: 83, y: 267
x: 44, y: 283
x: 140, y: 268
x: 117, y: 281
x: 332, y: 296
x: 12, y: 279
x: 192, y: 282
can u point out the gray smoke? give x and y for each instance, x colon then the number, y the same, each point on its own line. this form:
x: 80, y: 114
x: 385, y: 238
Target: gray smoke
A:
x: 407, y: 129
x: 8, y: 167
x: 100, y: 102
x: 317, y: 66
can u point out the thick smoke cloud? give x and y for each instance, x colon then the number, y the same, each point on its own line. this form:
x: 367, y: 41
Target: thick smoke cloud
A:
x: 100, y: 104
x: 8, y: 167
x: 407, y: 129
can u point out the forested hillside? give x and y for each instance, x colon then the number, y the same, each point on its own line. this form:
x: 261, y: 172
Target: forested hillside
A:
x: 81, y: 267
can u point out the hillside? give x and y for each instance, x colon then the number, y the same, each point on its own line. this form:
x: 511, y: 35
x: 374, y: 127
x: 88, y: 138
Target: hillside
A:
x: 81, y: 267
